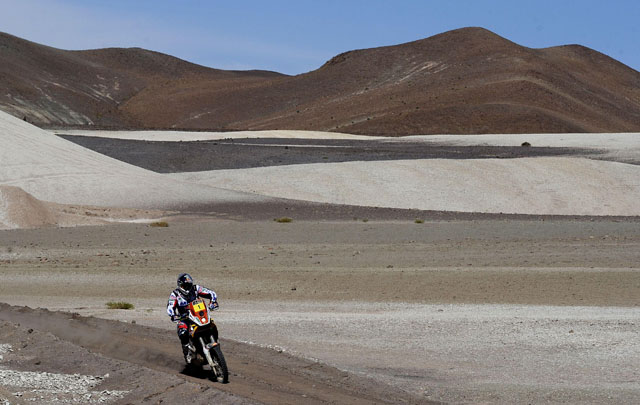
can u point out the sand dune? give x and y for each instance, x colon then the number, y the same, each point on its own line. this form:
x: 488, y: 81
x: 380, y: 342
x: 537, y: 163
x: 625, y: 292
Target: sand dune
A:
x: 553, y: 186
x: 21, y: 210
x: 55, y: 170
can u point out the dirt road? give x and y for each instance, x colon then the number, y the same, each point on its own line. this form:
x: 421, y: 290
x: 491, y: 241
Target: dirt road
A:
x: 98, y: 346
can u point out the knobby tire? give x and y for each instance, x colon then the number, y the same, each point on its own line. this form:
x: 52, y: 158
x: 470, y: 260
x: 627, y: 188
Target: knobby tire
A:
x: 219, y: 357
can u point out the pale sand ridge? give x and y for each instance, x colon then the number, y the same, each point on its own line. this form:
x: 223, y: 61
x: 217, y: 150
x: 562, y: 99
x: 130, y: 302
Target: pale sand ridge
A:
x: 546, y: 186
x: 20, y: 210
x: 56, y: 170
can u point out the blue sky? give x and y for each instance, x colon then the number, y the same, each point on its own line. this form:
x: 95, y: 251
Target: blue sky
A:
x: 295, y: 36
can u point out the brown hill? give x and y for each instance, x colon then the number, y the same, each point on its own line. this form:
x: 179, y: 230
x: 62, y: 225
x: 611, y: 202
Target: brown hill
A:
x: 50, y: 86
x: 464, y: 81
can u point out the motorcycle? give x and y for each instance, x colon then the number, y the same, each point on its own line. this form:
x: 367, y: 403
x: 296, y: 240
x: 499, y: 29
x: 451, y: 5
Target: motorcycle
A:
x: 203, y: 335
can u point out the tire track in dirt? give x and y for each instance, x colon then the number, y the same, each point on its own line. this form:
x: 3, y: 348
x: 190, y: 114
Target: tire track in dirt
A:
x: 258, y: 374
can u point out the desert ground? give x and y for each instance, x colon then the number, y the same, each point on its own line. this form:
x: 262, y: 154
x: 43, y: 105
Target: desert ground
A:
x: 525, y: 296
x: 454, y: 311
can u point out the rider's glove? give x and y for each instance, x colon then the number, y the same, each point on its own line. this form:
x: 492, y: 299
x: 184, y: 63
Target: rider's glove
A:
x: 214, y: 305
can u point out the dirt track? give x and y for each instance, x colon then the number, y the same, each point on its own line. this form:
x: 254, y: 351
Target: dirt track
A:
x: 99, y: 346
x: 294, y: 285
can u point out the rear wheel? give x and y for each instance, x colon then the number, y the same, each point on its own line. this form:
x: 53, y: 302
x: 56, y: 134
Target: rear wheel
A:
x: 220, y: 371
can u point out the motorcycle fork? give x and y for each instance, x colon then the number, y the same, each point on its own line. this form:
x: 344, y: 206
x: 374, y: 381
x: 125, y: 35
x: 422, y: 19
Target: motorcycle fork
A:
x: 206, y: 348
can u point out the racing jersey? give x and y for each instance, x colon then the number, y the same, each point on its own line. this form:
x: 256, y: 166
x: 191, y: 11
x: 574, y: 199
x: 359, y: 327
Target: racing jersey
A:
x: 178, y: 302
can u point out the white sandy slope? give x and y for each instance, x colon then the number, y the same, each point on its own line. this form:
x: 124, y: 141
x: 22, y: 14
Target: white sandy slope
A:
x: 553, y: 186
x: 19, y: 209
x: 557, y: 186
x: 53, y: 169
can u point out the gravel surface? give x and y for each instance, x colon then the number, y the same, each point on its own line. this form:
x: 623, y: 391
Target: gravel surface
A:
x: 146, y: 365
x: 190, y: 136
x: 498, y: 311
x: 622, y: 147
x: 452, y: 353
x: 456, y: 353
x: 56, y: 388
x: 173, y: 157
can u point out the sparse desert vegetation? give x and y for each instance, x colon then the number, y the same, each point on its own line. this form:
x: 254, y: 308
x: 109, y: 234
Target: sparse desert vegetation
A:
x: 119, y: 305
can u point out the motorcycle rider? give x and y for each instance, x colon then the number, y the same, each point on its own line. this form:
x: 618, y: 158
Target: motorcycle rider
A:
x: 177, y: 309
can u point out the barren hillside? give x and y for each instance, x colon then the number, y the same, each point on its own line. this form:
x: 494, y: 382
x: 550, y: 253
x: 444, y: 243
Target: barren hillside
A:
x: 54, y: 87
x: 464, y: 81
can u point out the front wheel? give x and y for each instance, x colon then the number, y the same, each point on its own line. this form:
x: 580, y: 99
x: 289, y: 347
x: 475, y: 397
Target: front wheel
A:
x: 220, y: 372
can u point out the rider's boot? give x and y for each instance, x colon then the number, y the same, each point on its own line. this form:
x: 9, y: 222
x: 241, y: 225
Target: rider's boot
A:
x: 189, y: 352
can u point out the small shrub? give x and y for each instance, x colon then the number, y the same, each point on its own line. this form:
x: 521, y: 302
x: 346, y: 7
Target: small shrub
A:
x: 159, y: 224
x: 419, y: 221
x: 283, y: 219
x: 525, y: 144
x: 119, y: 305
x: 365, y: 220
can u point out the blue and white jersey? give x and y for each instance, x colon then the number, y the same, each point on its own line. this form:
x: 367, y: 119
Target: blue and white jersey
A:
x: 178, y: 302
